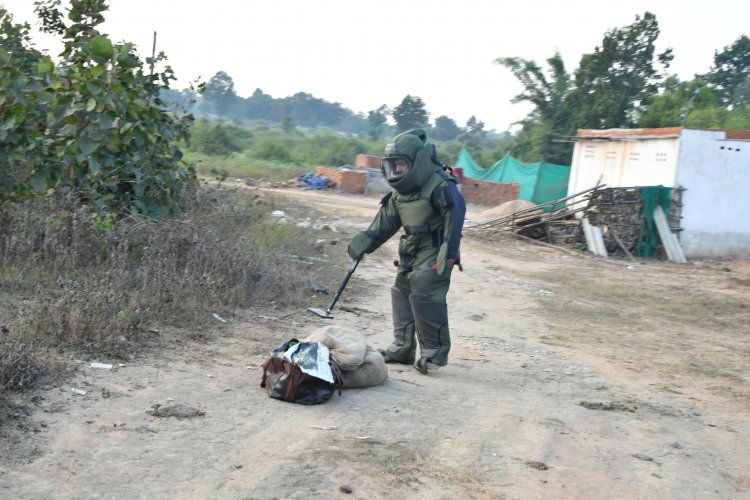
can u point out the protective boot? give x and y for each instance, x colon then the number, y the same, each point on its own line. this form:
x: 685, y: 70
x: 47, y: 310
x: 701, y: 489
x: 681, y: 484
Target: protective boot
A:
x: 404, y: 348
x: 431, y: 319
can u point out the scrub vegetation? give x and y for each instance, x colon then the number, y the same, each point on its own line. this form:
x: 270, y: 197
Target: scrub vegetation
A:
x: 70, y: 286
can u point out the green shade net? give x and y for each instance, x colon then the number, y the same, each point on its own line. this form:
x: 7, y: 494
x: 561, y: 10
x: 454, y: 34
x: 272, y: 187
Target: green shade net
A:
x: 539, y: 182
x: 648, y: 238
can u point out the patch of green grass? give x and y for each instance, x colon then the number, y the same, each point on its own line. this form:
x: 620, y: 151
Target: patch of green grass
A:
x: 241, y: 166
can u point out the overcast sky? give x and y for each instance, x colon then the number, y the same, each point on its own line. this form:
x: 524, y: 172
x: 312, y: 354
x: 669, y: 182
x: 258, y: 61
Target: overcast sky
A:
x: 365, y: 53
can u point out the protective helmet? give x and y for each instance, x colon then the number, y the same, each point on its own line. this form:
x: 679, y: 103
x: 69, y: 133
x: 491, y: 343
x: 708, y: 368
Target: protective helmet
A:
x: 404, y: 165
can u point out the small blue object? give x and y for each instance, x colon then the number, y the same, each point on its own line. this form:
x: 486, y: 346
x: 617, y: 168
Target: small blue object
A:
x: 313, y: 181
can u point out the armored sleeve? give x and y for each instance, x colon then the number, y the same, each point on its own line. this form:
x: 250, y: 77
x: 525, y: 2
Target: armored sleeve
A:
x: 387, y: 222
x: 453, y: 210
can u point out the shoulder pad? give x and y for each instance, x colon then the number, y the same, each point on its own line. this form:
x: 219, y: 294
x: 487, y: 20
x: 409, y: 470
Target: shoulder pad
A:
x: 385, y: 199
x: 446, y: 176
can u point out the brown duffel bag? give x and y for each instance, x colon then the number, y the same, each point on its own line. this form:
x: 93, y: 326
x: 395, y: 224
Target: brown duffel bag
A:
x: 286, y: 381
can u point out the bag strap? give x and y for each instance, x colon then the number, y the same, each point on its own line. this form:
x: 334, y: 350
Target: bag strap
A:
x: 295, y: 373
x: 338, y: 378
x: 265, y: 365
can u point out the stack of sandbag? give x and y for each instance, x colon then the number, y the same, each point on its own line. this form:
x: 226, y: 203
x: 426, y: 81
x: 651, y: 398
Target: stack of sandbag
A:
x: 361, y: 365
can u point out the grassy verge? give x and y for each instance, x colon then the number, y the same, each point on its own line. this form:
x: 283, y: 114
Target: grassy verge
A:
x: 70, y: 285
x: 679, y: 321
x: 243, y: 166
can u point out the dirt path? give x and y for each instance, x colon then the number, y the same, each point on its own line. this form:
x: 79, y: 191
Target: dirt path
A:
x: 513, y: 415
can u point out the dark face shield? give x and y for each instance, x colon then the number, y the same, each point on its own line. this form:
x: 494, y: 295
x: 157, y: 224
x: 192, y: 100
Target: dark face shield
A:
x: 395, y: 167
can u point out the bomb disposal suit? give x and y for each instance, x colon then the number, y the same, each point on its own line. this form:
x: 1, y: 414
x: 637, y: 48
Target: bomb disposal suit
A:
x: 426, y: 203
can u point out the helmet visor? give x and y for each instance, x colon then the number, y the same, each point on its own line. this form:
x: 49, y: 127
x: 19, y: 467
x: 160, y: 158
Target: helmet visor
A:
x: 395, y: 167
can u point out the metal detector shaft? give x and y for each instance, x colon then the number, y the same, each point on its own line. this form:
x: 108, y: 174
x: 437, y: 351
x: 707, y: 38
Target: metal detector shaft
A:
x: 349, y: 273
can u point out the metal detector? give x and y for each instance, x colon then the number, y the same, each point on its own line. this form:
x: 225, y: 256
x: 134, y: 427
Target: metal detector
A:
x: 327, y: 313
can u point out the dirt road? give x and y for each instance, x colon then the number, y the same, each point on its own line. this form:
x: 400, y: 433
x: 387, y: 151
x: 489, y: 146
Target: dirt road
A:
x: 531, y: 405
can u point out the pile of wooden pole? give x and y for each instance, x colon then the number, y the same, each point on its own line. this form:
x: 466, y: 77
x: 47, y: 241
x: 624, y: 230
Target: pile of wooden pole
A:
x: 527, y: 219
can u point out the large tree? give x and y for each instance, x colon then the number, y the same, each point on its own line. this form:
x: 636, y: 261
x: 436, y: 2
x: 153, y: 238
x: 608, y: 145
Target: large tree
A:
x: 615, y: 81
x: 376, y: 120
x: 219, y: 93
x: 675, y: 103
x: 730, y: 70
x: 550, y: 117
x: 445, y: 129
x: 411, y: 113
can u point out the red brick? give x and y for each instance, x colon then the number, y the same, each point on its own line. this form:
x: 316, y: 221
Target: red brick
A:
x: 347, y: 181
x: 368, y: 161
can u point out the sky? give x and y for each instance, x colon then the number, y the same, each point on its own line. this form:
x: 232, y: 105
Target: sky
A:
x: 364, y: 53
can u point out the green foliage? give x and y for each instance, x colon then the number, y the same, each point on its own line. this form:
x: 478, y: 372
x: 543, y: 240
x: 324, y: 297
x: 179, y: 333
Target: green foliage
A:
x: 91, y: 128
x: 445, y: 129
x: 551, y: 117
x: 221, y: 101
x: 216, y: 140
x: 268, y: 150
x: 376, y: 121
x: 730, y: 70
x: 738, y: 118
x: 475, y: 127
x: 220, y: 96
x: 678, y: 99
x: 693, y: 104
x: 271, y: 154
x: 613, y: 81
x: 706, y: 118
x: 330, y: 150
x: 411, y: 113
x: 621, y: 84
x: 287, y: 125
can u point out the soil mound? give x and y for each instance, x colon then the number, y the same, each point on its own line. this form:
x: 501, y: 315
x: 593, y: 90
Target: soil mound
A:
x: 503, y: 210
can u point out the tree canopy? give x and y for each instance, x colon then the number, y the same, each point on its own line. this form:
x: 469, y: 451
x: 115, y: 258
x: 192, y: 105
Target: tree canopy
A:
x: 730, y: 72
x: 91, y: 128
x: 623, y: 83
x: 410, y: 113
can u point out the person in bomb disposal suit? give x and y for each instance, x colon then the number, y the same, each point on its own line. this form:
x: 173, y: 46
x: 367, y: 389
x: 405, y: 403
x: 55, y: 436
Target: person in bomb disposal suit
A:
x: 427, y: 204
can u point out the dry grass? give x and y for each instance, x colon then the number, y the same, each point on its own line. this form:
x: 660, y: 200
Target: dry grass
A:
x: 679, y: 320
x: 414, y: 470
x: 70, y: 284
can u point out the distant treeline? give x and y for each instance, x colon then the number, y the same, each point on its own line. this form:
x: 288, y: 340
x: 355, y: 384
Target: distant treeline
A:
x: 622, y: 83
x: 218, y: 100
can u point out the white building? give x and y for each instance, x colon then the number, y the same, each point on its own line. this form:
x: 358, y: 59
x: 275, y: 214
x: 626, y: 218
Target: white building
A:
x: 712, y: 166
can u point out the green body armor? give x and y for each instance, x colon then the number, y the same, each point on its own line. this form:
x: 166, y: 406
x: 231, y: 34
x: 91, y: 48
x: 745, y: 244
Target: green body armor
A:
x: 423, y: 225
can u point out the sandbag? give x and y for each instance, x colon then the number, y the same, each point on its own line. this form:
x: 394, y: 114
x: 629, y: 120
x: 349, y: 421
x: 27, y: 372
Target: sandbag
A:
x: 372, y: 371
x: 347, y: 347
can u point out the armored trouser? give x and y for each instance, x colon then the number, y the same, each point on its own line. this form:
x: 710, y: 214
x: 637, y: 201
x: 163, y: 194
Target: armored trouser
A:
x: 420, y: 309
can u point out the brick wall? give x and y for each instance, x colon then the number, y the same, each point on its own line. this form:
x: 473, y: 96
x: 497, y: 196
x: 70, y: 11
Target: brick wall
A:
x: 489, y: 194
x: 485, y: 193
x: 347, y: 181
x: 368, y: 161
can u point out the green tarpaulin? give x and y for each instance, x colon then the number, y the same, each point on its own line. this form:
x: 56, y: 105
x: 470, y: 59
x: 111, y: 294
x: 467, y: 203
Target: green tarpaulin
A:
x: 648, y: 239
x: 540, y: 182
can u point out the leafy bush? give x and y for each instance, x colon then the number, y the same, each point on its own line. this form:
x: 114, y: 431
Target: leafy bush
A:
x: 92, y: 127
x: 329, y: 150
x: 268, y: 150
x: 215, y: 140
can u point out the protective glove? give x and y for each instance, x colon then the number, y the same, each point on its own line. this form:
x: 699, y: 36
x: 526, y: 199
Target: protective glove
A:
x: 360, y: 244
